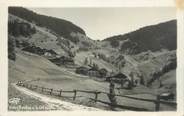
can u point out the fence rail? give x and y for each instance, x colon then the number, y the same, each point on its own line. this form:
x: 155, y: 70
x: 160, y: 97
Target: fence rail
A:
x: 147, y: 100
x: 121, y: 106
x: 59, y: 93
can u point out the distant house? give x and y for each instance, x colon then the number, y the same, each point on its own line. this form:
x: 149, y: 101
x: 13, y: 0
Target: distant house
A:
x: 121, y: 79
x: 103, y: 72
x: 67, y: 60
x: 135, y: 78
x: 47, y: 54
x: 82, y: 70
x: 34, y: 49
x: 40, y: 51
x: 93, y: 73
x: 50, y: 53
x: 87, y: 71
x: 117, y: 77
x: 63, y: 60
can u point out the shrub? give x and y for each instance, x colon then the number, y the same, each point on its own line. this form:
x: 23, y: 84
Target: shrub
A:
x: 73, y: 39
x: 95, y: 67
x: 85, y: 44
x: 114, y: 43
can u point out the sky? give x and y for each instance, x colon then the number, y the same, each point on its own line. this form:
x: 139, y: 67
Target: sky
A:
x: 100, y: 23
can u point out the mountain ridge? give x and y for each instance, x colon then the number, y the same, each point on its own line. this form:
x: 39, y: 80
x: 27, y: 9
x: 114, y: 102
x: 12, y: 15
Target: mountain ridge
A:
x: 172, y: 21
x: 47, y: 21
x: 153, y: 38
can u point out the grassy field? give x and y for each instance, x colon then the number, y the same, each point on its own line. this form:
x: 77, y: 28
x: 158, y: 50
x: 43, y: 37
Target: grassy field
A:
x: 30, y: 67
x: 83, y: 97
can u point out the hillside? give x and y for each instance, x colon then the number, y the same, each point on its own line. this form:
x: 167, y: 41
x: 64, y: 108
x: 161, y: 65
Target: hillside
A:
x: 59, y: 26
x: 40, y: 38
x: 40, y: 71
x: 133, y: 53
x: 151, y: 38
x: 144, y: 51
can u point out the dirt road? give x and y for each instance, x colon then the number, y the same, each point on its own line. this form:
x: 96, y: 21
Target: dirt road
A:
x: 53, y: 103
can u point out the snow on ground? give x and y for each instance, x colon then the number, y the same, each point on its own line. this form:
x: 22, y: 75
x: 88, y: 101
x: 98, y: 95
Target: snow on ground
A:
x: 53, y: 103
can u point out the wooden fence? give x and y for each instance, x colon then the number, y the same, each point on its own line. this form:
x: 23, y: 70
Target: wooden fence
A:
x: 51, y: 91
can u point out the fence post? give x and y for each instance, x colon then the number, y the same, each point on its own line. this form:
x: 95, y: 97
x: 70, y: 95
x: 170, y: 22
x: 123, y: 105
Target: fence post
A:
x: 96, y: 96
x: 75, y: 93
x: 27, y: 85
x: 18, y: 83
x: 36, y: 86
x: 157, y: 103
x: 42, y: 89
x: 60, y: 92
x: 51, y: 91
x: 30, y: 86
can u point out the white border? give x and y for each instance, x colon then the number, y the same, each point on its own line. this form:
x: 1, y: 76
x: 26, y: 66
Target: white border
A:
x: 180, y: 61
x: 91, y: 3
x: 88, y: 3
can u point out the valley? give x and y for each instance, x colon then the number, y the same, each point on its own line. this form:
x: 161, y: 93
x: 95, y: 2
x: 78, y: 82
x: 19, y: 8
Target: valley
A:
x: 61, y: 56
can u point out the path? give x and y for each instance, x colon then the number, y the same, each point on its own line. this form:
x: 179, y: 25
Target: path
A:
x: 53, y: 103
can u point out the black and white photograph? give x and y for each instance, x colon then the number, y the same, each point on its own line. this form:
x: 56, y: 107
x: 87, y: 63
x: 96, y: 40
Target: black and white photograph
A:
x: 92, y: 59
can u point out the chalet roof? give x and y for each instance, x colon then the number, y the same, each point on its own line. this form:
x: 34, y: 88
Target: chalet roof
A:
x: 119, y: 76
x: 93, y: 69
x: 83, y: 68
